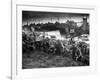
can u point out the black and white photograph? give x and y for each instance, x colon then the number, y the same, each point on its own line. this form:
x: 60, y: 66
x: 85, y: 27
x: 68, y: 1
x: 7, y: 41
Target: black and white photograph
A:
x: 55, y: 39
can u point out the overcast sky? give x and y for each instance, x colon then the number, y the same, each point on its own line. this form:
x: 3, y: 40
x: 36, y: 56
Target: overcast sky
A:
x: 44, y: 17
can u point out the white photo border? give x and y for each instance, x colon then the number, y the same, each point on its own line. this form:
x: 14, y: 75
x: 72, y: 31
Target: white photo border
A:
x: 17, y: 72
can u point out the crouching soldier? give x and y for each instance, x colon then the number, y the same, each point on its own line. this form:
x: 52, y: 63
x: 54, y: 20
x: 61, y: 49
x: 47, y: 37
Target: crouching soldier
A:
x: 51, y: 49
x: 76, y: 53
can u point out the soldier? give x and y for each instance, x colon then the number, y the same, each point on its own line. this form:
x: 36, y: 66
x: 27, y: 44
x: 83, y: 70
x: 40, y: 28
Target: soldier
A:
x: 58, y: 48
x: 76, y: 52
x: 51, y: 49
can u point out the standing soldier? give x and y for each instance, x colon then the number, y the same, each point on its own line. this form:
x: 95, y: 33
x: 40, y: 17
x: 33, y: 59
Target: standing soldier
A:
x: 73, y: 51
